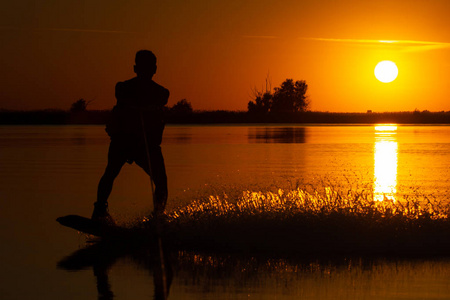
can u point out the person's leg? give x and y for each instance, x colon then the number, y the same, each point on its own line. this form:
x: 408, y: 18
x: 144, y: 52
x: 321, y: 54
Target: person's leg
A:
x: 106, y: 182
x: 157, y: 174
x: 159, y: 177
x: 116, y: 159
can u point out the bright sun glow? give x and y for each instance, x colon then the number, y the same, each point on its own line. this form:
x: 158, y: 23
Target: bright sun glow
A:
x: 386, y: 71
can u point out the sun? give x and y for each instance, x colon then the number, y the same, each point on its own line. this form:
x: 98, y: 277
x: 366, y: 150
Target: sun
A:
x: 386, y: 71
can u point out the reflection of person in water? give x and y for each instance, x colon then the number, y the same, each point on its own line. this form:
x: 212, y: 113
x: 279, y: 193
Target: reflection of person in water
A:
x: 136, y: 129
x: 103, y: 286
x: 159, y: 264
x: 102, y: 256
x: 162, y: 277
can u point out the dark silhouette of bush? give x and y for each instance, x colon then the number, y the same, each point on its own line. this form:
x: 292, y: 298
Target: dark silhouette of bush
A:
x: 182, y: 107
x: 79, y: 106
x: 262, y: 104
x: 290, y: 97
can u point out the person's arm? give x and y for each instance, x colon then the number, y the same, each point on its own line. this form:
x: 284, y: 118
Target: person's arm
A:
x: 120, y: 94
x: 161, y: 95
x: 165, y: 96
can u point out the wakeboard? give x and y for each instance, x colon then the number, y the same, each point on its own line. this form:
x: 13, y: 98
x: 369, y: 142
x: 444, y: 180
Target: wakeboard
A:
x: 92, y: 227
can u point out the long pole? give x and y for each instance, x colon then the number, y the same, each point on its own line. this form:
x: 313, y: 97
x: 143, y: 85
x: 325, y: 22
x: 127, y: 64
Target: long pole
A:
x: 155, y: 213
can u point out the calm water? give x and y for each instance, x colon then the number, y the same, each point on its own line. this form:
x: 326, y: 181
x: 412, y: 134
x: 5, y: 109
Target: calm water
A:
x: 50, y: 171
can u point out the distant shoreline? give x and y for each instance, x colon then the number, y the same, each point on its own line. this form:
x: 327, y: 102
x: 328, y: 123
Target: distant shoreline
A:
x: 98, y: 117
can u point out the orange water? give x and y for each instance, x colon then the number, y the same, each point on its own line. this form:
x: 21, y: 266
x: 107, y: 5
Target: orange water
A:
x: 50, y: 171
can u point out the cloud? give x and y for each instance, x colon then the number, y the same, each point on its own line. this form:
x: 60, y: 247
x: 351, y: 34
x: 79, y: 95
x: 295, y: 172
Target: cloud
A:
x: 403, y: 45
x: 407, y: 45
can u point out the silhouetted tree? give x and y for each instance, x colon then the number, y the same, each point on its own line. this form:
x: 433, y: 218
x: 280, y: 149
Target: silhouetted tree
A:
x: 79, y: 106
x: 263, y: 99
x: 262, y: 104
x: 290, y: 97
x: 182, y: 107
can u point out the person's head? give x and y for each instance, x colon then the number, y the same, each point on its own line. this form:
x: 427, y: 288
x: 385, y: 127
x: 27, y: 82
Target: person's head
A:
x: 145, y: 63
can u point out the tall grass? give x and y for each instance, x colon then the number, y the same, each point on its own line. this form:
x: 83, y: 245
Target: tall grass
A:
x: 298, y: 221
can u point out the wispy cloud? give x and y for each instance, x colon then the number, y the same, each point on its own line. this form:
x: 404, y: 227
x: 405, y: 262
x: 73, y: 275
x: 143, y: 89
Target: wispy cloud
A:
x: 403, y: 45
x: 407, y: 45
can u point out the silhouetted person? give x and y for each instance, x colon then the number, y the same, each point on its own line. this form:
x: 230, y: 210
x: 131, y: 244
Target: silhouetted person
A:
x: 136, y: 129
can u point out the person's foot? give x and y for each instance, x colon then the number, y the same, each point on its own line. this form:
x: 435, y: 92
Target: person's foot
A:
x: 101, y: 214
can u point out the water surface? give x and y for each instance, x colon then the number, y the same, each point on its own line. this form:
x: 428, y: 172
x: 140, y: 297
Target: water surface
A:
x: 50, y: 171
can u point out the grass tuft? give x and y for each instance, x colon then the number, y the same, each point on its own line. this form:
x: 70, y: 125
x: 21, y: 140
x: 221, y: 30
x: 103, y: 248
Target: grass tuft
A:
x: 300, y: 222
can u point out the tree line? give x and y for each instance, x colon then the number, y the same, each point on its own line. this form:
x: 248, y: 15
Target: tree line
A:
x: 289, y: 97
x: 59, y: 117
x: 181, y: 107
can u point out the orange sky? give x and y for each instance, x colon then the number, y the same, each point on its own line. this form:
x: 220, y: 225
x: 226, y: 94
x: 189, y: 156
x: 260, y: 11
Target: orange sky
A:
x: 213, y: 53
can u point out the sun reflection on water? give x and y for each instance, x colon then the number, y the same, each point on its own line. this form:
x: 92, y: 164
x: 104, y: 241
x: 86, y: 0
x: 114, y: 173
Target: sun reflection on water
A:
x: 385, y: 162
